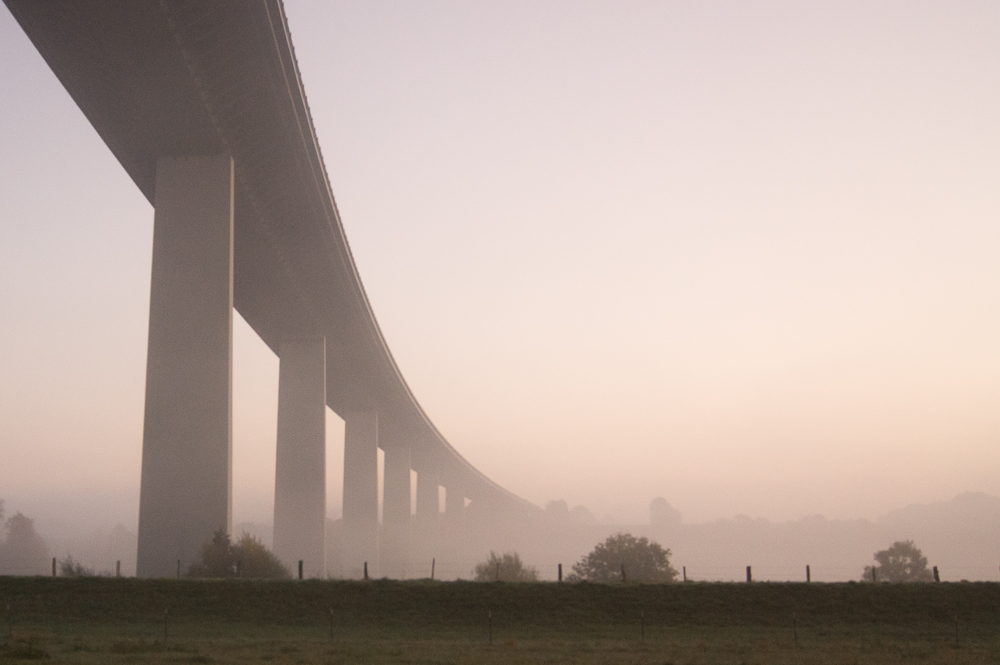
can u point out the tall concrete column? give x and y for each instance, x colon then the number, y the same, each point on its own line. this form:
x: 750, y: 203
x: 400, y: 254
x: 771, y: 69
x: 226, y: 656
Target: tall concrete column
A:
x: 360, y: 523
x: 454, y: 512
x: 395, y: 511
x: 425, y: 523
x: 454, y: 503
x: 186, y: 486
x: 452, y: 533
x: 427, y: 497
x: 300, y: 466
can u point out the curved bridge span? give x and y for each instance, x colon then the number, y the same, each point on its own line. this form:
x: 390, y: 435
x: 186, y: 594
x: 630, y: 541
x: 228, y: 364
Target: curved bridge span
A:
x: 203, y: 105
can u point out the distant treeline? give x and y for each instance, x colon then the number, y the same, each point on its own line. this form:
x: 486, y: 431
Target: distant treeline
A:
x: 22, y: 550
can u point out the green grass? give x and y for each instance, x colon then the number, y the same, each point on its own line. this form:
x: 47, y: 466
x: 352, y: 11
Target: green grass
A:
x: 102, y: 620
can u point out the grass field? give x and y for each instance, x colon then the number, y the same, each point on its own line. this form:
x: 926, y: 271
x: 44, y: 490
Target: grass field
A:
x: 107, y: 620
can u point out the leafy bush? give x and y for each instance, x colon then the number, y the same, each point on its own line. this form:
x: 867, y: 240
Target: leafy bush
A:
x: 903, y: 562
x: 247, y: 558
x: 254, y: 560
x: 70, y: 568
x: 642, y: 560
x: 505, y: 568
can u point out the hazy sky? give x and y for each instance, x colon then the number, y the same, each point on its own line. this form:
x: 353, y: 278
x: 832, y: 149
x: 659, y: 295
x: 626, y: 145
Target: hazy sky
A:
x: 742, y: 255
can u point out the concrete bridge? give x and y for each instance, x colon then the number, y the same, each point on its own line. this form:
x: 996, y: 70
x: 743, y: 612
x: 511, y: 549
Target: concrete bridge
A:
x: 202, y: 103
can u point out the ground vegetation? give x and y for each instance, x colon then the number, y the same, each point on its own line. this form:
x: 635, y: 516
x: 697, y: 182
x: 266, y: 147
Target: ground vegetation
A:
x: 69, y: 567
x: 96, y: 620
x: 902, y: 562
x: 625, y: 558
x: 506, y: 567
x: 247, y: 558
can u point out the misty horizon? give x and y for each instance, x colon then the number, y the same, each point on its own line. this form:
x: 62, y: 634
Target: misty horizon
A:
x: 960, y: 535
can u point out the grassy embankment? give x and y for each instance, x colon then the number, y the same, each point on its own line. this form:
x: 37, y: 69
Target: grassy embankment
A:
x: 102, y: 620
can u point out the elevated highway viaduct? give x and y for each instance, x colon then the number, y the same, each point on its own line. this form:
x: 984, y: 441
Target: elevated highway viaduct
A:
x: 203, y: 105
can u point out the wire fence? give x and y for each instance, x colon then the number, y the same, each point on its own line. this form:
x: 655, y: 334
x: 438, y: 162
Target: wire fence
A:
x: 447, y: 569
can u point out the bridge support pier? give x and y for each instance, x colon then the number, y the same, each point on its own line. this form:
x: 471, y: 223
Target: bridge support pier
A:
x: 300, y: 465
x: 453, y: 523
x: 454, y: 505
x: 425, y: 523
x: 395, y: 511
x: 359, y: 537
x: 186, y: 486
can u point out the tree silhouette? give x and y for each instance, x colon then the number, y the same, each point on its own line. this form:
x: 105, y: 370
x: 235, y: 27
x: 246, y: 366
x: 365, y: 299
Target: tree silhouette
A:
x: 247, y: 558
x: 254, y: 560
x: 642, y: 561
x: 903, y: 562
x: 662, y: 515
x: 22, y: 551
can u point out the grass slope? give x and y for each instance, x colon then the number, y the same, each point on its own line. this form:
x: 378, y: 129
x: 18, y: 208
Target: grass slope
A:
x: 98, y: 620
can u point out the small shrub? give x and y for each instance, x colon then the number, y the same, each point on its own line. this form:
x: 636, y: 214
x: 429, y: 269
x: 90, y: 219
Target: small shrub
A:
x: 506, y: 568
x: 247, y: 558
x: 70, y: 568
x: 254, y: 560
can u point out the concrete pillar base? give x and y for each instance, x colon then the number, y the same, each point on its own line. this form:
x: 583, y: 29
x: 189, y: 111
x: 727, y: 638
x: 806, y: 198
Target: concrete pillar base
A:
x: 424, y: 536
x: 360, y: 524
x: 395, y: 512
x: 300, y: 466
x: 186, y: 487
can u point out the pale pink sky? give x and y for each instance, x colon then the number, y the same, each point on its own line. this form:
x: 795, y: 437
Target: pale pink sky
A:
x: 742, y: 255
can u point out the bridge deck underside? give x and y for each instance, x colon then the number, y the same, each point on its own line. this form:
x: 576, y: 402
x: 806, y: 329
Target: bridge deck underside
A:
x: 199, y: 78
